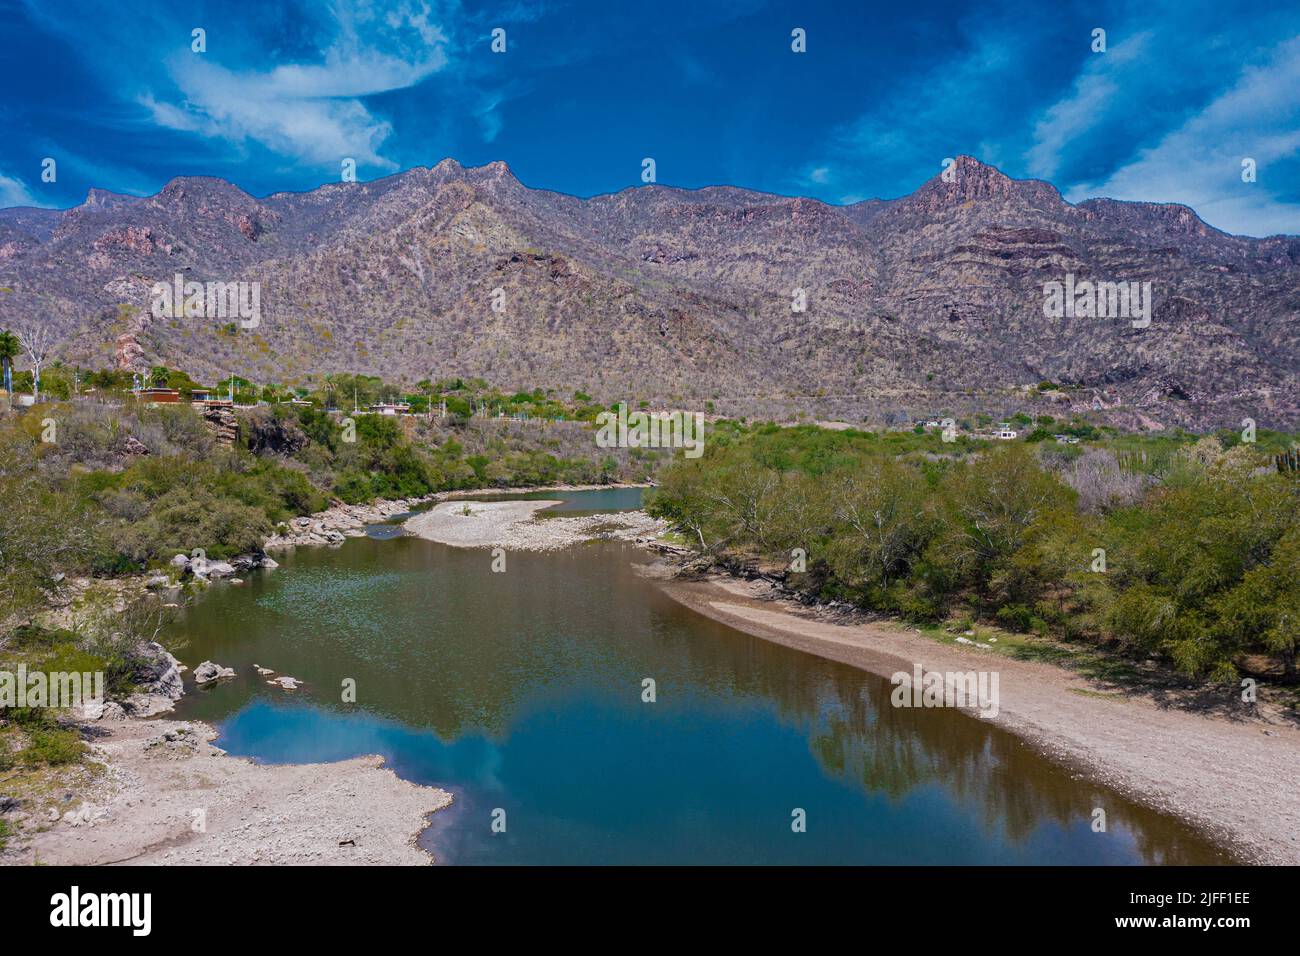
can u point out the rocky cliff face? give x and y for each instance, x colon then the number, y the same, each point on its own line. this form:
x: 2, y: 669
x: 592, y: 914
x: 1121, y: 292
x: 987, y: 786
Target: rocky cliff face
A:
x: 931, y: 302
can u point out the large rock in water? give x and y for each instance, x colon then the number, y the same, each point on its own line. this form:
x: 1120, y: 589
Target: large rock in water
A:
x: 208, y: 671
x: 159, y: 672
x: 211, y: 569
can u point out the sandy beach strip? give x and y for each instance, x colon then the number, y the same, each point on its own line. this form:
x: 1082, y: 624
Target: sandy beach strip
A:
x: 183, y: 801
x: 513, y: 525
x: 1232, y: 778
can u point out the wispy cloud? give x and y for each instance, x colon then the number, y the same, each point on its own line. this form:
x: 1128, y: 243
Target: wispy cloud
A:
x: 1199, y: 162
x: 945, y: 107
x: 1166, y: 114
x: 300, y: 82
x: 14, y: 192
x: 1096, y: 91
x: 311, y: 111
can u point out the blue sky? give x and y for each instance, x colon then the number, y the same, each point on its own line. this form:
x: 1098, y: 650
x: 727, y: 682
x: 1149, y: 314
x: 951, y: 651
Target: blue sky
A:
x: 712, y: 91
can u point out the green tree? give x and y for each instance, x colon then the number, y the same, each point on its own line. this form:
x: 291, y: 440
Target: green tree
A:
x: 882, y: 522
x: 9, y: 349
x: 990, y: 506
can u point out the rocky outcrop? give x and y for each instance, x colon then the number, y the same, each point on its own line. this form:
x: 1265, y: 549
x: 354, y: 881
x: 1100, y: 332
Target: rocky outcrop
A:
x: 206, y: 570
x: 269, y: 432
x: 159, y: 672
x: 338, y: 523
x: 158, y: 687
x: 141, y: 240
x: 176, y: 742
x: 223, y: 423
x: 203, y: 568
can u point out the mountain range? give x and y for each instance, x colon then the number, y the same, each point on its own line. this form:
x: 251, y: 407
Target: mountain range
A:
x: 928, y: 304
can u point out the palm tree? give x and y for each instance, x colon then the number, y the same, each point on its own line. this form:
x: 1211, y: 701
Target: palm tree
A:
x: 9, y: 348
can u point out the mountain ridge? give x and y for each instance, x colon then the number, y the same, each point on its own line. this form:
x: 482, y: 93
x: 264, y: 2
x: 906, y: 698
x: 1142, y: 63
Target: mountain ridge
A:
x: 929, y: 301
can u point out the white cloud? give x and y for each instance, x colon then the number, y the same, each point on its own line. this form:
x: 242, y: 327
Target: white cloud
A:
x: 1199, y: 163
x: 14, y: 192
x: 311, y: 111
x: 1096, y: 89
x: 489, y: 116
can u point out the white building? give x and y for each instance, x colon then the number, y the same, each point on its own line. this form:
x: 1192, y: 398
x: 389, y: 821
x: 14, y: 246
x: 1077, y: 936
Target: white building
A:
x: 1005, y: 431
x: 390, y: 408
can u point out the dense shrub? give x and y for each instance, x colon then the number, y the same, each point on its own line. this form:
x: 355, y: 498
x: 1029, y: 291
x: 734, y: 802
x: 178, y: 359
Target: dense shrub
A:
x: 1197, y: 564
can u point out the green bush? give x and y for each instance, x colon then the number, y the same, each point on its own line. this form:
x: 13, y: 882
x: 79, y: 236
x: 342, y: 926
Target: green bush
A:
x: 1015, y: 617
x: 1201, y: 570
x: 52, y: 747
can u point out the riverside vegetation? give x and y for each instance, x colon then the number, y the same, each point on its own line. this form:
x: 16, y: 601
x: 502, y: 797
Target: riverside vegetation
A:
x: 124, y: 486
x: 1180, y: 547
x: 1197, y: 536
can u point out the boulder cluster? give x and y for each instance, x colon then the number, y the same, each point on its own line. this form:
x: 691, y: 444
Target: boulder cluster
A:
x: 337, y: 524
x: 208, y: 570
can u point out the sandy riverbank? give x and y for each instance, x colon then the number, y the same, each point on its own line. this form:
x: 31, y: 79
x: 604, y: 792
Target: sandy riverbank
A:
x: 514, y: 526
x: 167, y: 796
x: 533, y: 489
x: 339, y: 522
x: 1232, y: 777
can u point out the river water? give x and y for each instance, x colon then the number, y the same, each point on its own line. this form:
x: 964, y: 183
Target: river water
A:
x: 522, y: 693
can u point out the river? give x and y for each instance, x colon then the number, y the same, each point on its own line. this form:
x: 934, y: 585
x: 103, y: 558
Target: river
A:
x: 522, y: 693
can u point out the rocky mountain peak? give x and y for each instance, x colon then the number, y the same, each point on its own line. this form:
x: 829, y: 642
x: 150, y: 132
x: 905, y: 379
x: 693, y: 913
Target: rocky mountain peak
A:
x: 103, y: 199
x: 967, y: 180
